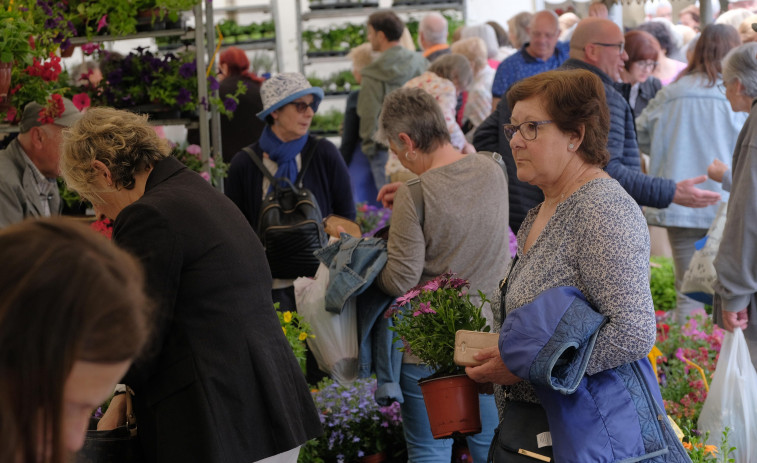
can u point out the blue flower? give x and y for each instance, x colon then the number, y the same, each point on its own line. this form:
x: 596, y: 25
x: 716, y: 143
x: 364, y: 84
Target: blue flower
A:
x: 184, y: 97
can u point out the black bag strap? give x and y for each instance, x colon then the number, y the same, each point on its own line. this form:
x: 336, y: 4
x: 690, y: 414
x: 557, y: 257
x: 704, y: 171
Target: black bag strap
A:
x: 416, y: 193
x: 503, y: 289
x: 306, y: 158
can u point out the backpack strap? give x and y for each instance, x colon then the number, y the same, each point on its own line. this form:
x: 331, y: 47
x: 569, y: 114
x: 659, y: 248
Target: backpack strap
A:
x: 258, y: 162
x: 496, y: 157
x: 416, y: 193
x: 305, y: 160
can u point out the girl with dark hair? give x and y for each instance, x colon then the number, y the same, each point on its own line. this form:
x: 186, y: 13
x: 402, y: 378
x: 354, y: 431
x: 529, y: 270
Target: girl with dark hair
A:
x: 73, y: 316
x: 680, y: 142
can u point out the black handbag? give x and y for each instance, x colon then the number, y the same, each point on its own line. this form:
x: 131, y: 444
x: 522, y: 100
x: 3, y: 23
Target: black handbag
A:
x: 119, y: 445
x: 523, y: 432
x: 522, y: 435
x: 290, y: 224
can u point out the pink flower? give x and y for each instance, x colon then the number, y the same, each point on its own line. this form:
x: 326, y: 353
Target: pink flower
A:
x: 81, y: 101
x: 205, y: 175
x: 211, y: 162
x: 89, y: 48
x: 410, y: 295
x: 102, y: 22
x: 194, y: 149
x: 431, y: 285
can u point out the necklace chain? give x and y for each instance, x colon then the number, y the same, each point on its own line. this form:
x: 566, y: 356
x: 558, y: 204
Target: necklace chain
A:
x: 579, y: 181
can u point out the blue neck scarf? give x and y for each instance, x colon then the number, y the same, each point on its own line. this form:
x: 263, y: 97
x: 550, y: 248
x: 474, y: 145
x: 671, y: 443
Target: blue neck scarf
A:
x: 282, y: 153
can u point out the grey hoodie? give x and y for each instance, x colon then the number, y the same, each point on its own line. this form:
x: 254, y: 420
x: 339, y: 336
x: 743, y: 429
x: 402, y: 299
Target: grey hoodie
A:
x: 390, y: 71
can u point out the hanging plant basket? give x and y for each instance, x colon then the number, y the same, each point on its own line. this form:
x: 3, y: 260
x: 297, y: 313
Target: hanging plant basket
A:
x: 5, y: 79
x: 452, y: 406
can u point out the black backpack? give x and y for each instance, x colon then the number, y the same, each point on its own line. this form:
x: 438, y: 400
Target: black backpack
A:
x: 290, y: 224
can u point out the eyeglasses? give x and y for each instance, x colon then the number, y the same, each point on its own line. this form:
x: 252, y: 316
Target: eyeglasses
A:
x: 301, y: 106
x: 620, y: 46
x: 646, y: 64
x: 722, y: 87
x: 527, y: 129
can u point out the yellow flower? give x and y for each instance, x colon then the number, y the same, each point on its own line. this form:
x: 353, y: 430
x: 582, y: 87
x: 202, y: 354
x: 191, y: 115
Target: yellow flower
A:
x: 287, y: 316
x: 303, y: 336
x: 283, y: 328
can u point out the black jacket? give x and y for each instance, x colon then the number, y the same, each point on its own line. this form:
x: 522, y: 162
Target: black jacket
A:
x: 220, y: 382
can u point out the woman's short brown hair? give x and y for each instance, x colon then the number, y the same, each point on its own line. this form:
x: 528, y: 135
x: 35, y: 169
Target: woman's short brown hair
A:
x: 573, y: 99
x: 66, y: 295
x: 121, y: 140
x: 641, y: 46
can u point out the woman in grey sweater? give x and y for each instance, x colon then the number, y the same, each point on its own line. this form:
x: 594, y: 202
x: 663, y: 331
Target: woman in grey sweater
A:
x: 463, y: 229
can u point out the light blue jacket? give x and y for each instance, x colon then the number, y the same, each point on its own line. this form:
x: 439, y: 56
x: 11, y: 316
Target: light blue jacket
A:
x: 354, y: 264
x: 683, y: 129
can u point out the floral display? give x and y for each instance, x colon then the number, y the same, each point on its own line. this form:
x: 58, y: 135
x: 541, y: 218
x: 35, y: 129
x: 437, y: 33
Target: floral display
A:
x: 191, y: 156
x: 297, y: 332
x: 427, y: 317
x: 372, y: 218
x: 354, y: 424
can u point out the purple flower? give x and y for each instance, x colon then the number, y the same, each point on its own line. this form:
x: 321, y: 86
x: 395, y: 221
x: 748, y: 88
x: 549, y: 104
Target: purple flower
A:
x: 184, y: 97
x: 213, y: 84
x: 102, y: 22
x: 230, y: 104
x: 431, y: 285
x: 187, y: 70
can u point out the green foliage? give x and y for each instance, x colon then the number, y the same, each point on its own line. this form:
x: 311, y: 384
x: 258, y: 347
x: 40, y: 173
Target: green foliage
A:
x: 427, y: 317
x: 701, y: 453
x: 191, y: 156
x: 297, y: 331
x: 16, y: 27
x: 342, y: 81
x: 333, y: 39
x: 328, y: 122
x: 662, y: 283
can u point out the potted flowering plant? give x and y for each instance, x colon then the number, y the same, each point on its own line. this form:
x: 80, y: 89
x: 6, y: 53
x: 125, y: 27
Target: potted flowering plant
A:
x: 425, y: 321
x: 355, y: 427
x: 427, y: 317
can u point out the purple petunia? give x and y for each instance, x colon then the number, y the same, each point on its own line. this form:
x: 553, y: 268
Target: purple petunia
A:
x: 213, y: 84
x: 184, y: 97
x: 230, y: 104
x: 188, y: 70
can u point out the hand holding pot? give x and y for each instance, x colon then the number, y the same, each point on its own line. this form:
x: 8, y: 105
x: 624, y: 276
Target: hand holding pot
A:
x: 492, y: 369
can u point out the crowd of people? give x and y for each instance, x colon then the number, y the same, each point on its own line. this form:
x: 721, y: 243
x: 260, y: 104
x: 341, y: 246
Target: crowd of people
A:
x: 602, y: 133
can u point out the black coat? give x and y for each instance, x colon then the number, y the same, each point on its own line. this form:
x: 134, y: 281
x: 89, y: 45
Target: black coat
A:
x: 490, y: 136
x: 220, y: 382
x: 647, y: 90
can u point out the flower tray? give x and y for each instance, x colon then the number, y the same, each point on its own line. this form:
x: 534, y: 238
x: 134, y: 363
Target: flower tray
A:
x: 343, y: 5
x: 321, y: 53
x: 422, y: 2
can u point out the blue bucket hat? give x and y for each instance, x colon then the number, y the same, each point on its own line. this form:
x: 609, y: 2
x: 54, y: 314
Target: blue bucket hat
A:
x: 285, y: 88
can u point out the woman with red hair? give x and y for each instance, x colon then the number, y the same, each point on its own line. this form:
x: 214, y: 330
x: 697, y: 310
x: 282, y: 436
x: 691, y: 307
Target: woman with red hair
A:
x: 244, y: 128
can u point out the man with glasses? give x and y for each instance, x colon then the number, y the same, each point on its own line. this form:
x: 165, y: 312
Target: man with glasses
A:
x: 542, y: 53
x: 29, y: 165
x: 597, y: 45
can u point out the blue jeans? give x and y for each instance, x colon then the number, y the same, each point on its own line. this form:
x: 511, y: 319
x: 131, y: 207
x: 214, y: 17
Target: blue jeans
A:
x: 421, y: 445
x: 682, y: 242
x: 378, y: 167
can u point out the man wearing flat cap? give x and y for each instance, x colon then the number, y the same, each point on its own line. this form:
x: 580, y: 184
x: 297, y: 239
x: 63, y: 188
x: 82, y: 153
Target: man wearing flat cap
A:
x: 29, y: 165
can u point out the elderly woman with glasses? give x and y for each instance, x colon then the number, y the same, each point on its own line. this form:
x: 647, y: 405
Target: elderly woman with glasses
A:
x: 285, y: 146
x: 683, y: 128
x: 639, y: 86
x: 463, y: 229
x: 588, y: 234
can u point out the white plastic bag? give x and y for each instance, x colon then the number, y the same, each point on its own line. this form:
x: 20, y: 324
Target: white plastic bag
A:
x: 732, y: 400
x: 700, y: 277
x: 335, y: 344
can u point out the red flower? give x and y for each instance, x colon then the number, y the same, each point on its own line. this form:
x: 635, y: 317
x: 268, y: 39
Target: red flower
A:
x: 11, y: 115
x: 81, y: 101
x: 52, y: 110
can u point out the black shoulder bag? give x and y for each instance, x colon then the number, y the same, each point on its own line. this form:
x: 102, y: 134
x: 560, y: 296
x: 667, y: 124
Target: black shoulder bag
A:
x: 290, y: 222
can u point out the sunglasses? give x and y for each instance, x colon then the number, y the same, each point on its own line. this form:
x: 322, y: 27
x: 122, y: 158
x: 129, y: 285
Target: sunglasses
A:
x: 301, y: 106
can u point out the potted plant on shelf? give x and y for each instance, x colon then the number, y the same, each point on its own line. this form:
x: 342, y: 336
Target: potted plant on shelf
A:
x: 425, y: 320
x: 15, y: 45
